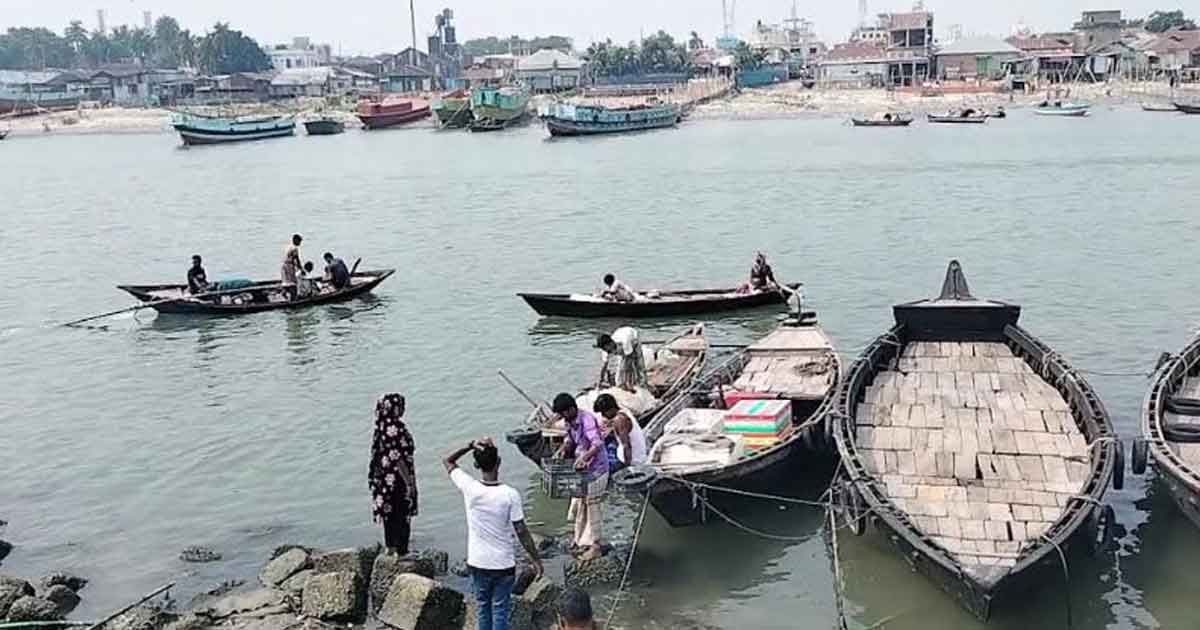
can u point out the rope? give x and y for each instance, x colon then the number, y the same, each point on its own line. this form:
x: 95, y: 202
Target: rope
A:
x: 838, y: 597
x: 1131, y: 373
x: 1062, y: 558
x: 637, y: 534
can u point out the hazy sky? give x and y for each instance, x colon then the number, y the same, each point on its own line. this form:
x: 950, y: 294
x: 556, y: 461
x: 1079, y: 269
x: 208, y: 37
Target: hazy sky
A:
x: 365, y: 26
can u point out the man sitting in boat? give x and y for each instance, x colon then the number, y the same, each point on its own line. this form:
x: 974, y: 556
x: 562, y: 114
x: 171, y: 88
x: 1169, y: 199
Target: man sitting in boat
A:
x: 336, y: 272
x: 616, y: 291
x: 306, y: 285
x: 197, y: 279
x: 623, y: 436
x: 631, y: 365
x: 762, y: 277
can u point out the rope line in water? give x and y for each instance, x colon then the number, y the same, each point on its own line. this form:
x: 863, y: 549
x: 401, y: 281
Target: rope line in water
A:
x: 637, y: 534
x: 1062, y: 558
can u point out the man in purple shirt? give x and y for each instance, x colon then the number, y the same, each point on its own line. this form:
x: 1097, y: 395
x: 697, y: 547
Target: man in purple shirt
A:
x: 585, y: 442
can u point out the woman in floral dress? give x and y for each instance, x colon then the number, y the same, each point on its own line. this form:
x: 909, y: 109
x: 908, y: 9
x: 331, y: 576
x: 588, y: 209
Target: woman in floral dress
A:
x: 392, y: 477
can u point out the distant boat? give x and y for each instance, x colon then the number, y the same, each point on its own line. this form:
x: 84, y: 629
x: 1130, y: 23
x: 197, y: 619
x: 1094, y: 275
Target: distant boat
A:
x: 4, y: 133
x: 453, y: 110
x: 566, y: 119
x: 967, y: 116
x: 497, y: 108
x: 1188, y: 109
x: 392, y: 111
x: 17, y: 102
x: 886, y: 120
x: 324, y: 126
x: 1159, y: 107
x: 196, y: 129
x: 1062, y: 109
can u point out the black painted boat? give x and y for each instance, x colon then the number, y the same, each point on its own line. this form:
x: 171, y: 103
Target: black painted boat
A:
x: 1170, y: 431
x: 892, y: 121
x: 678, y: 363
x: 4, y: 133
x: 664, y: 304
x: 324, y: 127
x: 264, y: 295
x: 958, y: 119
x: 978, y: 450
x: 695, y: 453
x: 1188, y: 109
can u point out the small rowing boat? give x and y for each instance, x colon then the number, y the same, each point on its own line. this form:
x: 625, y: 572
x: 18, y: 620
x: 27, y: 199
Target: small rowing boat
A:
x: 653, y: 304
x: 966, y: 116
x: 979, y: 450
x: 742, y: 425
x: 252, y: 297
x: 1171, y: 429
x: 670, y: 370
x: 1188, y: 109
x: 885, y: 120
x: 1075, y: 110
x: 1159, y: 107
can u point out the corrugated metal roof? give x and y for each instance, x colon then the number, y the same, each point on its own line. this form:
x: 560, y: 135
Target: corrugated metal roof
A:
x: 22, y: 77
x: 549, y: 59
x: 978, y: 46
x: 909, y: 21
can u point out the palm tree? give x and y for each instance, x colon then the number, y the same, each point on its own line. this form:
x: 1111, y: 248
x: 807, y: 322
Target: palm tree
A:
x: 696, y: 42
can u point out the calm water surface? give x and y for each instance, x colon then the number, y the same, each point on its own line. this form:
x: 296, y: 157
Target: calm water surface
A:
x: 124, y: 444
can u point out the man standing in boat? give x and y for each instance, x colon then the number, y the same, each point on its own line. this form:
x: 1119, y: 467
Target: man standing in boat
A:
x: 197, y: 279
x: 291, y: 266
x: 584, y: 441
x: 631, y: 365
x: 624, y: 439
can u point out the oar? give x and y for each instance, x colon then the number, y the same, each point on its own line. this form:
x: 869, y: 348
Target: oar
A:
x: 129, y: 309
x: 126, y: 609
x: 355, y: 267
x: 531, y: 401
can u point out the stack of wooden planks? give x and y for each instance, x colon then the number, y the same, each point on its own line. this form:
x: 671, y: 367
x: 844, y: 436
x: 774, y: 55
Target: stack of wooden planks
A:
x: 792, y: 362
x: 975, y: 447
x: 1189, y: 453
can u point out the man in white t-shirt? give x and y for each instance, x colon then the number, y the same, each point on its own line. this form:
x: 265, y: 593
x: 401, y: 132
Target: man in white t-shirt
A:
x: 494, y: 513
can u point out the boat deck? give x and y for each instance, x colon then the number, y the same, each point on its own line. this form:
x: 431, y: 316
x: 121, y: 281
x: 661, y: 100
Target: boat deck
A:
x: 674, y: 361
x: 976, y: 449
x: 791, y: 362
x: 1189, y: 453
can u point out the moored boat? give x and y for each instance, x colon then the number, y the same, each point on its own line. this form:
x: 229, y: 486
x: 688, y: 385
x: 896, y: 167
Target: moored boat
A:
x: 198, y: 130
x: 248, y: 297
x: 495, y: 108
x: 1057, y: 108
x: 887, y: 119
x: 743, y: 426
x: 391, y: 111
x: 453, y: 109
x: 966, y: 116
x: 654, y: 303
x: 21, y: 102
x: 567, y: 119
x: 1170, y: 429
x: 670, y: 370
x: 1159, y: 107
x: 980, y: 452
x: 1187, y: 109
x: 324, y: 126
x: 4, y: 133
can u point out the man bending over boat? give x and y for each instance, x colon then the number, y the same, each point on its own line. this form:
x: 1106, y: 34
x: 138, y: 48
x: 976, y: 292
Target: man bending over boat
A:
x: 624, y: 439
x: 197, y: 278
x: 336, y: 272
x: 585, y: 444
x: 617, y: 291
x: 631, y: 365
x: 762, y: 277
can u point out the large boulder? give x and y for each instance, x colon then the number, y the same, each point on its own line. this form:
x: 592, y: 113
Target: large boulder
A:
x: 12, y: 589
x: 284, y: 566
x: 69, y: 580
x: 142, y: 618
x: 358, y: 561
x: 63, y: 597
x: 295, y: 584
x: 415, y: 602
x: 338, y: 596
x: 387, y: 567
x: 30, y: 608
x: 535, y: 608
x: 605, y: 570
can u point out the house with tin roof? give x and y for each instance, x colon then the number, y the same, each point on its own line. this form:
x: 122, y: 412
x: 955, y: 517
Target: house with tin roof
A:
x: 975, y: 58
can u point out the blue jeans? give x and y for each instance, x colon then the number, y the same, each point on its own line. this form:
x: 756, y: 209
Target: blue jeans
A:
x: 493, y: 593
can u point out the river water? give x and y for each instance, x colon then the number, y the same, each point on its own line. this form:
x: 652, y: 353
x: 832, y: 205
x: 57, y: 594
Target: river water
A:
x: 125, y: 443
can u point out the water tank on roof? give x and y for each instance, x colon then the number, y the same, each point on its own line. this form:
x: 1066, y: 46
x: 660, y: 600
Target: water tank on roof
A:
x: 449, y: 36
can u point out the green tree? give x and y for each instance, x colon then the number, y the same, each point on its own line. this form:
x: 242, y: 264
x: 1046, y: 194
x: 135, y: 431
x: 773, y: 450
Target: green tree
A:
x: 225, y: 51
x: 1163, y: 21
x: 34, y: 49
x: 167, y: 42
x: 696, y: 42
x: 77, y: 37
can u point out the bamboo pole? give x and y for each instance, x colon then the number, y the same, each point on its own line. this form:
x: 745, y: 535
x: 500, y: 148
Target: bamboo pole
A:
x: 152, y: 594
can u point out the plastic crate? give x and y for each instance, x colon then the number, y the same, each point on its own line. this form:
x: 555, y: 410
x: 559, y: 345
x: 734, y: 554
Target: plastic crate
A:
x: 560, y: 480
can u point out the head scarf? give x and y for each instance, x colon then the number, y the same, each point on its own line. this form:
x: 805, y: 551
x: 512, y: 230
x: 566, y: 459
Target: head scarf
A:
x: 391, y: 449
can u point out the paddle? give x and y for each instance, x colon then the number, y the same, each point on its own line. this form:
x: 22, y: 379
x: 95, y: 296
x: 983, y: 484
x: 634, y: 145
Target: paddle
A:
x: 520, y: 391
x: 160, y: 301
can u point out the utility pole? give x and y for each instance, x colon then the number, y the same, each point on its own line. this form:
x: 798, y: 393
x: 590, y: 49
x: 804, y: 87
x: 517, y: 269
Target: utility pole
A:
x: 412, y: 16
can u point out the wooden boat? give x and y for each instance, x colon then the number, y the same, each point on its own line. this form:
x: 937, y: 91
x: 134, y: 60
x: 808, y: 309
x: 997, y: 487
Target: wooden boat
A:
x: 199, y: 130
x: 673, y: 369
x: 1170, y: 429
x: 4, y: 133
x: 324, y: 126
x: 886, y: 120
x: 391, y: 111
x: 496, y: 108
x: 264, y: 295
x: 1076, y: 110
x: 453, y: 110
x: 966, y: 116
x: 978, y: 449
x: 567, y: 119
x: 20, y: 102
x: 1188, y: 109
x: 999, y: 113
x: 1159, y: 107
x: 796, y: 369
x: 653, y: 304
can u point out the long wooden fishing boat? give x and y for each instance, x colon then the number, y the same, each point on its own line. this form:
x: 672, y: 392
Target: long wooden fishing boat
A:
x: 886, y: 120
x: 19, y: 102
x: 1159, y: 107
x: 1188, y: 109
x: 568, y: 119
x: 253, y: 297
x: 968, y: 117
x: 741, y: 425
x: 653, y: 304
x: 979, y: 451
x: 200, y: 130
x: 672, y: 370
x: 391, y: 111
x: 453, y: 109
x: 1170, y: 429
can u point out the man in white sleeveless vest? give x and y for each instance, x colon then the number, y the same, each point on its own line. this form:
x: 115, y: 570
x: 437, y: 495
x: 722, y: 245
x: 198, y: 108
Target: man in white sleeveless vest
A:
x: 623, y: 436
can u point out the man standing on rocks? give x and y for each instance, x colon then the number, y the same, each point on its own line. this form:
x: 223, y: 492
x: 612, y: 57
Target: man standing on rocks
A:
x: 494, y: 512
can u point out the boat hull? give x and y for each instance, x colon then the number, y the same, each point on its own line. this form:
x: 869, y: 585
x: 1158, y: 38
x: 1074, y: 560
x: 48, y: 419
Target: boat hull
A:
x: 565, y: 128
x: 384, y: 121
x: 324, y: 127
x: 1188, y: 109
x: 18, y: 106
x: 881, y: 123
x: 957, y: 120
x: 1180, y: 478
x: 153, y: 293
x: 671, y: 305
x: 1069, y: 113
x: 453, y: 113
x: 194, y: 137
